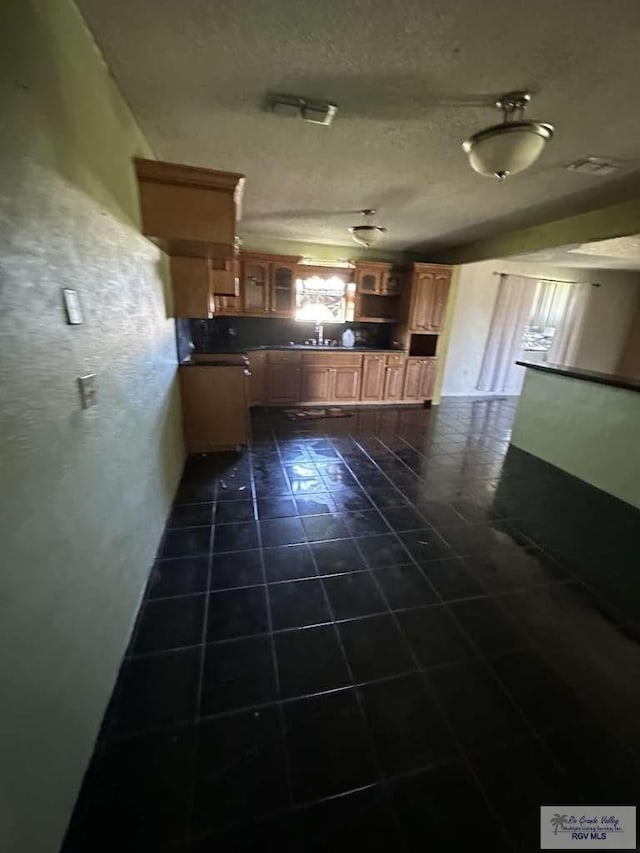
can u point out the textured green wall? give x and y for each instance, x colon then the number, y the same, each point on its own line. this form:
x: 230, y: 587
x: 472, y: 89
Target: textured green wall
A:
x: 589, y: 430
x: 616, y: 220
x: 84, y: 494
x: 320, y: 251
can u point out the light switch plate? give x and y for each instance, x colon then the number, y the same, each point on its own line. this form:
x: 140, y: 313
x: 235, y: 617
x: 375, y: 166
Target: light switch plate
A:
x: 72, y: 306
x: 88, y: 390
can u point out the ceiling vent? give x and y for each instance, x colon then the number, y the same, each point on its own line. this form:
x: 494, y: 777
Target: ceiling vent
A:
x: 594, y: 166
x: 293, y: 106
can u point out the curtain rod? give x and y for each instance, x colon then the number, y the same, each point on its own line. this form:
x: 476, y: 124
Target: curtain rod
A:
x: 540, y: 278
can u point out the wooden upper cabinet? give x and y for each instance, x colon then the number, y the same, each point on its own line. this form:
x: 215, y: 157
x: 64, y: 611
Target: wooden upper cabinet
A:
x: 227, y: 305
x: 392, y: 282
x: 192, y: 296
x: 283, y: 289
x: 429, y: 294
x: 378, y: 279
x: 224, y: 277
x: 254, y: 286
x: 268, y: 285
x: 373, y: 375
x: 198, y: 282
x: 189, y: 210
x: 368, y: 278
x: 440, y: 297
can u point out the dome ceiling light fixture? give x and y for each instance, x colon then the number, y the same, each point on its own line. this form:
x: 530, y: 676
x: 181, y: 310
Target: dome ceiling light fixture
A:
x: 368, y: 234
x: 508, y: 148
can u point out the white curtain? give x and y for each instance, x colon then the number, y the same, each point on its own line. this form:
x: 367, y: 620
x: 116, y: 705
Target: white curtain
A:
x: 564, y: 347
x: 499, y: 373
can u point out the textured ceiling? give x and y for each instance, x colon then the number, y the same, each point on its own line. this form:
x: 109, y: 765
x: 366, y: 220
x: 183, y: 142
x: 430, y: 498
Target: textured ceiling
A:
x: 619, y: 253
x: 410, y: 78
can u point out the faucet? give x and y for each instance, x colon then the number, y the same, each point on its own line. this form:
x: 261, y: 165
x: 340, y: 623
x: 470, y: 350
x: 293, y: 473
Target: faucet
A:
x: 319, y: 333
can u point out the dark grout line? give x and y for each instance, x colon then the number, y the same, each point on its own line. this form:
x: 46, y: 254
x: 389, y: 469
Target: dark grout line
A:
x: 477, y: 443
x: 198, y: 702
x: 274, y: 656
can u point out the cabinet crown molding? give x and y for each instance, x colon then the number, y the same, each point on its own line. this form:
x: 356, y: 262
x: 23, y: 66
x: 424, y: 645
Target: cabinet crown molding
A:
x: 177, y: 173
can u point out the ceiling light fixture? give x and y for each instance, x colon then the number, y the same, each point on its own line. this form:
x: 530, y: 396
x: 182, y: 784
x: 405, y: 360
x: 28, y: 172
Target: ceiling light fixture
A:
x: 508, y: 148
x: 367, y: 235
x: 313, y: 111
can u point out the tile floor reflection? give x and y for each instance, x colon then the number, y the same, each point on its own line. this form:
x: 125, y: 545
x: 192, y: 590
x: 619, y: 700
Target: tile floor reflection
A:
x: 384, y: 632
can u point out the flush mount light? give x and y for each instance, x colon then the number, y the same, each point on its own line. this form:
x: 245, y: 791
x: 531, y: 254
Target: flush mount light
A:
x: 293, y: 106
x: 368, y: 234
x: 508, y: 148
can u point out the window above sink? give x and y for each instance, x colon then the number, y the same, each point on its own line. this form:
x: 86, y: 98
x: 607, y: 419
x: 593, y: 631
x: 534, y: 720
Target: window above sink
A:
x: 325, y: 295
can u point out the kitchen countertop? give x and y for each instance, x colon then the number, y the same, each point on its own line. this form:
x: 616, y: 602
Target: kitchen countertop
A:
x: 219, y: 362
x: 309, y: 347
x: 612, y: 379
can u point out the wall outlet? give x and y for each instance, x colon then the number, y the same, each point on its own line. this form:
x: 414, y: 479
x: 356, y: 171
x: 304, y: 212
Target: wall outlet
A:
x: 88, y: 390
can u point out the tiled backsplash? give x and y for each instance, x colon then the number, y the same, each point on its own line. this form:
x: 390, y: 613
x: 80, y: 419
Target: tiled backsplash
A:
x: 225, y: 333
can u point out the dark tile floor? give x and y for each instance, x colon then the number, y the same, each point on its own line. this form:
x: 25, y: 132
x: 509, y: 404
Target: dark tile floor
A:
x: 385, y: 632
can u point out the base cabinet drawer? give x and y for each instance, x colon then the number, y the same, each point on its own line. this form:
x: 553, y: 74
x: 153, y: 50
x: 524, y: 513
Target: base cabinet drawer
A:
x: 275, y: 356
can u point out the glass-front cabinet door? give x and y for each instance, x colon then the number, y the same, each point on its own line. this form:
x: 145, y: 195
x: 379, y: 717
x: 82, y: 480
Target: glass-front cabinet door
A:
x: 255, y: 287
x: 368, y: 279
x: 283, y: 289
x: 391, y: 283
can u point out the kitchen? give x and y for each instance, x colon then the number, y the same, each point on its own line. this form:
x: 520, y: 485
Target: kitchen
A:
x: 250, y: 326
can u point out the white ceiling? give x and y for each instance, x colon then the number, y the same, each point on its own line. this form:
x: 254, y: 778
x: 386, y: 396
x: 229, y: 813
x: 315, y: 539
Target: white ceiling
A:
x: 410, y: 78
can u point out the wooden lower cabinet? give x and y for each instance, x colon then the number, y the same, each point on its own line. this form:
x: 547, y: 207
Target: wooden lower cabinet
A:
x: 287, y: 378
x: 419, y: 379
x: 428, y: 378
x: 393, y: 382
x: 215, y: 406
x: 257, y: 365
x: 346, y: 384
x: 373, y: 376
x: 316, y: 384
x: 322, y: 384
x: 283, y: 383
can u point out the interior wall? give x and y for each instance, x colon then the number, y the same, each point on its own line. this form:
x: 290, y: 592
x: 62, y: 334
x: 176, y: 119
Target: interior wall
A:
x: 563, y: 421
x: 604, y: 334
x: 84, y: 494
x: 608, y: 319
x: 629, y: 364
x: 475, y: 300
